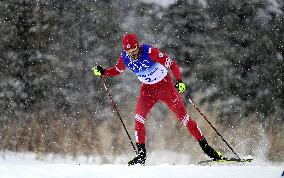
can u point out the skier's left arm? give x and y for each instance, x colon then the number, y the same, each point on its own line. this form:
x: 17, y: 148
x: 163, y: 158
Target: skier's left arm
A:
x: 158, y: 56
x: 162, y: 58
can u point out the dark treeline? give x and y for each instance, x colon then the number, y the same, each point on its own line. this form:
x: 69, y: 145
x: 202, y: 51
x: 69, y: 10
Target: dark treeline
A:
x: 231, y: 55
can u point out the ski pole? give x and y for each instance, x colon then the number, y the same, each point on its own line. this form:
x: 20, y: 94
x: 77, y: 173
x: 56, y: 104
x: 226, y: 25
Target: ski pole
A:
x: 114, y: 105
x: 211, y: 125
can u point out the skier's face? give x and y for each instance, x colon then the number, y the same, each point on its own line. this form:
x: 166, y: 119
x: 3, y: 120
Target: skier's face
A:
x: 133, y: 52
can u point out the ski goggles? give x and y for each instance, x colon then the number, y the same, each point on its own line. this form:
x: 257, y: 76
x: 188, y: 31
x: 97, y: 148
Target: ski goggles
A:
x: 133, y: 49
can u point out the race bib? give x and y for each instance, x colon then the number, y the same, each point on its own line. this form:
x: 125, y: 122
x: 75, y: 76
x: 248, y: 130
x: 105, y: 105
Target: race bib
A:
x: 153, y: 75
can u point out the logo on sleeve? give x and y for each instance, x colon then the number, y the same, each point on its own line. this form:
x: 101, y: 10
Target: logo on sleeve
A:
x: 160, y: 55
x: 168, y: 62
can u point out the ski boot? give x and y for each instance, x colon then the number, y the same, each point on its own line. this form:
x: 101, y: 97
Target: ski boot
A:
x: 141, y: 157
x: 214, y: 154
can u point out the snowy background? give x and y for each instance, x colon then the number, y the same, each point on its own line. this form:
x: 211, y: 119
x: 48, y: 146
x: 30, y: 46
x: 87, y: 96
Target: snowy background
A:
x: 27, y: 165
x: 54, y: 111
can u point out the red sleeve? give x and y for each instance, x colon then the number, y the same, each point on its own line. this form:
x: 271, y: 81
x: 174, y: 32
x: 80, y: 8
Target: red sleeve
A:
x: 158, y: 56
x: 115, y: 70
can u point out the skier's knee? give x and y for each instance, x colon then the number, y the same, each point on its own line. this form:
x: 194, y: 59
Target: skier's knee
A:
x: 185, y: 119
x: 139, y: 119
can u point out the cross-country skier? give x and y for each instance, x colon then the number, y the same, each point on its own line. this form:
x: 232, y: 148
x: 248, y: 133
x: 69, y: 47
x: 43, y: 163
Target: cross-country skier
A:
x: 150, y: 65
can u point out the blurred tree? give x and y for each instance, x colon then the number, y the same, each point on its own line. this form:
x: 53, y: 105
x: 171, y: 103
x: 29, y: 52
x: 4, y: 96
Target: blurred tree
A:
x: 250, y: 37
x: 187, y: 27
x: 49, y: 50
x: 25, y: 57
x: 229, y: 50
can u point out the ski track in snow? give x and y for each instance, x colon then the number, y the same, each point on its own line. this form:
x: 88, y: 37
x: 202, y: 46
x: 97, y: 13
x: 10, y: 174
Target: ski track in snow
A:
x: 27, y: 166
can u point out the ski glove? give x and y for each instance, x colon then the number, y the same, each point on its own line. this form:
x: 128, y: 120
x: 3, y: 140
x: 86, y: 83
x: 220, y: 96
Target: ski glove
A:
x: 98, y: 71
x: 180, y: 86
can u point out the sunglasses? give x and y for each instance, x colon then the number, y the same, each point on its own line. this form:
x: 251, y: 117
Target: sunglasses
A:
x: 133, y: 49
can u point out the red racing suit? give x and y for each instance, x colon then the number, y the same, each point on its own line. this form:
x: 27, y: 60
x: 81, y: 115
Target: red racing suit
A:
x: 157, y: 85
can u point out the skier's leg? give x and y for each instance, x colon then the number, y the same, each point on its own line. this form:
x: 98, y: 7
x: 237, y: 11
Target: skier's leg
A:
x: 144, y: 104
x: 175, y: 103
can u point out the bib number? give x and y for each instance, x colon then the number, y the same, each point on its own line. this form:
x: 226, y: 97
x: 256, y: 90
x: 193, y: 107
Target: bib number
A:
x: 153, y: 75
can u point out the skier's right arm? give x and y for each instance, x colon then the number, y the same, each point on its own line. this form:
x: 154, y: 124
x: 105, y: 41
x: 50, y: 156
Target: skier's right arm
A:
x: 115, y: 70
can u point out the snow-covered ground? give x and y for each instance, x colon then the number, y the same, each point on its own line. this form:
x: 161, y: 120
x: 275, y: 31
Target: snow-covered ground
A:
x: 27, y: 165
